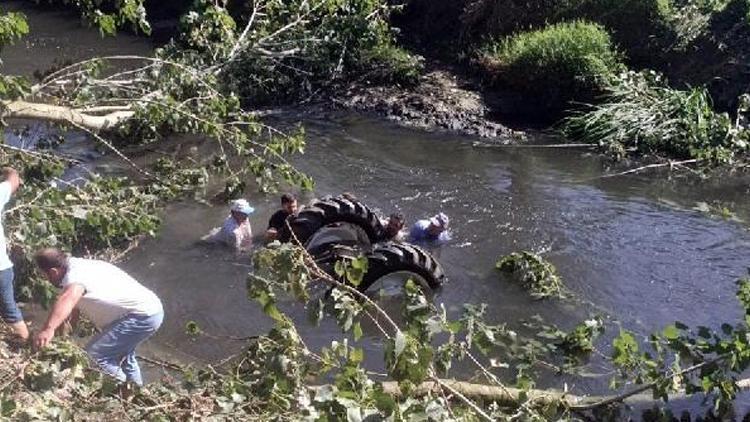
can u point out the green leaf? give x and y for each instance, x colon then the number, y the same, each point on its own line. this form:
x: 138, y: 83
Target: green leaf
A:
x: 192, y: 328
x: 339, y: 268
x: 671, y: 332
x: 272, y: 311
x: 400, y: 343
x: 385, y: 403
x: 357, y: 331
x: 7, y: 407
x: 356, y: 356
x: 325, y: 393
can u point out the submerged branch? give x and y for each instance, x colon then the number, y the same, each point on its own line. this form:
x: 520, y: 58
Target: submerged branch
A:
x: 669, y: 164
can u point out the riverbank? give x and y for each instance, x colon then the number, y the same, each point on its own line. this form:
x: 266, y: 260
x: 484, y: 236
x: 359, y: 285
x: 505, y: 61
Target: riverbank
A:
x: 445, y: 99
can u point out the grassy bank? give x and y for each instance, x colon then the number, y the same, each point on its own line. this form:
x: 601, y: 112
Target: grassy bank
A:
x: 564, y: 63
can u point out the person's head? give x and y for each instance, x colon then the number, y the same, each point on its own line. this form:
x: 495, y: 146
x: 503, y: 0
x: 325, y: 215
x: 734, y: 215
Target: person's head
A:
x: 438, y: 224
x: 395, y: 224
x: 240, y: 210
x: 53, y: 263
x: 289, y: 203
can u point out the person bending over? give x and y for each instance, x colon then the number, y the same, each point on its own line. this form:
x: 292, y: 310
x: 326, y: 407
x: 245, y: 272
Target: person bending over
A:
x: 8, y: 306
x: 126, y: 312
x: 278, y: 219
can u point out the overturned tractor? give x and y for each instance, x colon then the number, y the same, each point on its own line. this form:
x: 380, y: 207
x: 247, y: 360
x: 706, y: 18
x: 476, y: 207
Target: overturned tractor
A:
x: 337, y: 228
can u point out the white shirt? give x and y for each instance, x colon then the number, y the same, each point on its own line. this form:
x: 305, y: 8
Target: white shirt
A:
x: 238, y: 236
x: 5, y: 192
x: 110, y: 293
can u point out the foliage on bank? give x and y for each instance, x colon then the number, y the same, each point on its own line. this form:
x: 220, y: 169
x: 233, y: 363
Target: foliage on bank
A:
x: 629, y: 113
x: 561, y: 63
x: 641, y: 114
x: 278, y: 51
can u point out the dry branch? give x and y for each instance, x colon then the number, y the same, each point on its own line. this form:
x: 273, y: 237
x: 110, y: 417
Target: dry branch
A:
x: 60, y: 114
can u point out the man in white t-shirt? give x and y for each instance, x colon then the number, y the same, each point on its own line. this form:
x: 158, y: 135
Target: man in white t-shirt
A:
x: 235, y: 232
x: 126, y: 312
x: 8, y: 306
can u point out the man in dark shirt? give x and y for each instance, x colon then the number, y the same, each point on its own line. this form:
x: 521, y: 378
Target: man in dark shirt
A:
x: 278, y: 219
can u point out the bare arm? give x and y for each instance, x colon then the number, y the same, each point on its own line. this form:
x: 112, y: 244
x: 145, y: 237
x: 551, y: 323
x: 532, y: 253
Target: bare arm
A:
x: 59, y: 313
x: 11, y: 176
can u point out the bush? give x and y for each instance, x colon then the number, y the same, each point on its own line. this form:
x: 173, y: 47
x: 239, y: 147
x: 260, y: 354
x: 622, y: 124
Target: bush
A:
x: 493, y: 18
x: 534, y: 273
x: 296, y: 47
x: 632, y: 19
x: 390, y: 64
x: 642, y: 113
x: 562, y: 63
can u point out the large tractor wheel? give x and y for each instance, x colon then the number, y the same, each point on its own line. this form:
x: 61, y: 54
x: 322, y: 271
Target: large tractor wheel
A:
x: 329, y: 211
x: 391, y: 257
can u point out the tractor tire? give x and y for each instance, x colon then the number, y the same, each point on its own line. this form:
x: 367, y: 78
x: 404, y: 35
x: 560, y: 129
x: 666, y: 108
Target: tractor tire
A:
x: 329, y: 211
x: 391, y: 257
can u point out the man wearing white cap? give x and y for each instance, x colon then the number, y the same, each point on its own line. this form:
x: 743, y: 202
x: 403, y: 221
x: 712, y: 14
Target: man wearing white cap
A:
x: 433, y: 229
x: 236, y: 231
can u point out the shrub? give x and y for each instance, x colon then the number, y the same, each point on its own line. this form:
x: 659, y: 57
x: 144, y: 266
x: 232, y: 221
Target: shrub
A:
x: 492, y: 18
x: 641, y: 112
x: 295, y: 48
x: 534, y: 273
x: 390, y: 64
x: 561, y: 63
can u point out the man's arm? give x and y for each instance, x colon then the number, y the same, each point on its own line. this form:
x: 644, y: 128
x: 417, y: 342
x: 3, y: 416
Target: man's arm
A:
x: 59, y: 313
x: 11, y: 176
x: 271, y: 234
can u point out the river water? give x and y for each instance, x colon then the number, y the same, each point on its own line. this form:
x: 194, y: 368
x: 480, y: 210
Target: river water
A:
x: 637, y: 249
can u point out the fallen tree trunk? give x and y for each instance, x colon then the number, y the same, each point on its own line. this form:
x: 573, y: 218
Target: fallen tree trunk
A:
x: 506, y: 396
x: 61, y: 114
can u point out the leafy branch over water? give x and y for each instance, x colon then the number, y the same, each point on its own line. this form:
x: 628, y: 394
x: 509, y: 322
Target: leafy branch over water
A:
x: 278, y: 376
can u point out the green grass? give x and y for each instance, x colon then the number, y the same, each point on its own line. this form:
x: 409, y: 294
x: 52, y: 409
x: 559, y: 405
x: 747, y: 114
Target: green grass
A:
x: 641, y: 112
x: 565, y: 62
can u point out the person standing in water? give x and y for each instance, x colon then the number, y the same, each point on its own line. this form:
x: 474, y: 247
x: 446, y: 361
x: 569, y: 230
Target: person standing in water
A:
x: 434, y: 229
x: 278, y: 219
x: 236, y: 231
x: 393, y: 227
x: 9, y: 310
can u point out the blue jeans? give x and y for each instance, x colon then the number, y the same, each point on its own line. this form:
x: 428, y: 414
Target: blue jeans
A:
x: 8, y: 306
x: 114, y: 349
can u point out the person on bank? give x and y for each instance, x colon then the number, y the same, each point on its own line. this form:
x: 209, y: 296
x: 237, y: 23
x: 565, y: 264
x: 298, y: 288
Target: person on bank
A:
x: 9, y: 310
x: 394, y: 227
x: 434, y: 229
x: 236, y: 231
x: 278, y: 219
x: 126, y: 312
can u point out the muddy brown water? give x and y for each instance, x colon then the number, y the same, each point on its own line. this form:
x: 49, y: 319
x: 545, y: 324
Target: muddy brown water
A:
x: 634, y: 248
